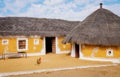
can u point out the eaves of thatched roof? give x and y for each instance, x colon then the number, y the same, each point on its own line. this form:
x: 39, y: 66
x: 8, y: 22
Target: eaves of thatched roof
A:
x: 26, y: 26
x: 102, y: 27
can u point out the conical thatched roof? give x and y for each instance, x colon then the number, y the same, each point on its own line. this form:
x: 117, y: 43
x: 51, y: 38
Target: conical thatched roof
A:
x: 102, y: 27
x: 17, y: 26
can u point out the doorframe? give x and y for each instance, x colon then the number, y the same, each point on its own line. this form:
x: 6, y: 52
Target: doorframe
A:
x: 73, y: 51
x: 45, y: 44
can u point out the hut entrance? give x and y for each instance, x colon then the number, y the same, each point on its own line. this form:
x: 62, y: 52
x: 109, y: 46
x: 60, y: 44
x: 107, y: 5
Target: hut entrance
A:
x: 50, y: 45
x: 76, y: 50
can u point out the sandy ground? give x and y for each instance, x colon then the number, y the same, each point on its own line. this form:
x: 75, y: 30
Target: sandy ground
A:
x: 110, y: 71
x: 48, y: 61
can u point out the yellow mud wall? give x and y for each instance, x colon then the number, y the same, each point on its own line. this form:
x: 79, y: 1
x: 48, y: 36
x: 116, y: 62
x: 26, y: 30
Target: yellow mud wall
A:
x: 12, y: 45
x: 100, y: 51
x: 2, y: 47
x: 34, y: 48
x: 63, y: 47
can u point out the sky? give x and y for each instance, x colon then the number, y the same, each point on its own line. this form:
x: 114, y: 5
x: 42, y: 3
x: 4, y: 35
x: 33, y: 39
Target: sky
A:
x: 74, y: 10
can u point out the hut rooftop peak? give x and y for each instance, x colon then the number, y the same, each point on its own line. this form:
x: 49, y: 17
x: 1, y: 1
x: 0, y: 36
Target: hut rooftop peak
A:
x: 101, y: 5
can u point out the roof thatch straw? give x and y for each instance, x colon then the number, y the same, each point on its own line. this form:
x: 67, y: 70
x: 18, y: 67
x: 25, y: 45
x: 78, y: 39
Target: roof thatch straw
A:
x: 24, y: 26
x: 102, y: 27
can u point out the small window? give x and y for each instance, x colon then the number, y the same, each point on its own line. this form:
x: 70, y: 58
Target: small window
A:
x: 5, y: 42
x: 36, y: 41
x: 22, y: 44
x: 109, y: 52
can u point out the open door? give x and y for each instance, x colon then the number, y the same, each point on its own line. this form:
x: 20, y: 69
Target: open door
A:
x: 76, y: 50
x: 50, y: 45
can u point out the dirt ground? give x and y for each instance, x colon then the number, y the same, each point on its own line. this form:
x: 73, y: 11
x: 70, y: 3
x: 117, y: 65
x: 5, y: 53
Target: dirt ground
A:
x: 48, y: 61
x: 54, y: 61
x: 110, y: 71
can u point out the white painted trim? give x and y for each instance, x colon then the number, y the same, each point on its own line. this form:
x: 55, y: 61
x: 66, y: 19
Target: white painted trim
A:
x: 45, y: 45
x: 26, y: 44
x: 108, y: 50
x: 63, y: 52
x: 73, y: 50
x: 57, y: 48
x: 80, y: 51
x: 43, y: 51
x: 35, y: 54
x: 114, y: 60
x: 58, y: 51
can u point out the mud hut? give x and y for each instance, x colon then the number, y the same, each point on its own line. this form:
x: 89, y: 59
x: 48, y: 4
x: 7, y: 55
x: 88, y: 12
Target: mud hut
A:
x: 34, y: 35
x: 97, y: 37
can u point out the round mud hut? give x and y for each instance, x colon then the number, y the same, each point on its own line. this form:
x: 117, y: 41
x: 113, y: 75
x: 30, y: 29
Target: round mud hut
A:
x: 97, y: 37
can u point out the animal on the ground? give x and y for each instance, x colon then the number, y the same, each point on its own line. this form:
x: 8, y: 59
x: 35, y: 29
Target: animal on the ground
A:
x: 39, y: 60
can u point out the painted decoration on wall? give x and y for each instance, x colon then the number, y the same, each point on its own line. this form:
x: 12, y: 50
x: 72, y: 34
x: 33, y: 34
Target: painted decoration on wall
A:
x: 109, y: 52
x: 5, y: 42
x: 36, y: 41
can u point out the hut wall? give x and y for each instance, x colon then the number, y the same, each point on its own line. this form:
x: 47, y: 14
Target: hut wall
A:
x: 32, y: 47
x: 100, y: 51
x: 35, y: 46
x: 36, y: 49
x: 62, y: 48
x: 73, y: 50
x: 104, y: 52
x: 8, y: 45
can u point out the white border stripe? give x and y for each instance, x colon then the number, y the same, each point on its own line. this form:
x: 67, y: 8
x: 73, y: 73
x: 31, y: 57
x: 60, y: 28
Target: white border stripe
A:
x: 53, y: 69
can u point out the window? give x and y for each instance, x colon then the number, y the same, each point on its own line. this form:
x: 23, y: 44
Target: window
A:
x: 22, y: 44
x: 109, y: 52
x: 5, y: 42
x: 36, y: 41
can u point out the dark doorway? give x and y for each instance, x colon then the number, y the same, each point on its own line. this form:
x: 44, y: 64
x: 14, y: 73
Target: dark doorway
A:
x: 76, y: 50
x: 50, y: 44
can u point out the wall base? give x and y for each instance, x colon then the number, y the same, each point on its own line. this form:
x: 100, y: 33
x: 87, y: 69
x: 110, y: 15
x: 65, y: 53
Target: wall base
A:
x: 113, y: 60
x: 34, y: 54
x: 63, y: 52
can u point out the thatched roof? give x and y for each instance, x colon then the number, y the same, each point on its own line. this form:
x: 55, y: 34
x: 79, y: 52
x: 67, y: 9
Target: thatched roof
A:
x: 24, y: 26
x: 102, y: 27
